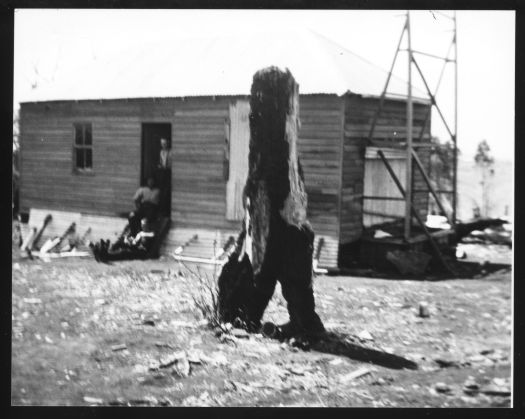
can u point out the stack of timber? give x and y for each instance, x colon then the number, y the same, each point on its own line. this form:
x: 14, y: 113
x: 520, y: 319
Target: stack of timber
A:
x: 207, y: 245
x: 102, y: 227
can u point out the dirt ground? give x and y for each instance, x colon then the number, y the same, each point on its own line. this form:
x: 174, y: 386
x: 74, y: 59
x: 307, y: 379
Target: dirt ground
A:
x: 86, y: 333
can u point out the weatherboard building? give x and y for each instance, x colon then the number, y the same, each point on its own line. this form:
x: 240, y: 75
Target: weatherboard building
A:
x: 87, y: 143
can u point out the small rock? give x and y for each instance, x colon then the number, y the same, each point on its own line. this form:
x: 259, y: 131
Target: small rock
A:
x: 140, y: 369
x: 148, y: 400
x: 225, y: 338
x: 423, y: 310
x: 299, y: 343
x: 165, y: 402
x: 477, y: 358
x: 252, y: 355
x: 93, y: 400
x: 182, y: 368
x: 470, y: 387
x: 163, y: 345
x: 360, y: 372
x: 442, y: 388
x: 220, y: 359
x: 379, y: 382
x: 32, y: 300
x: 99, y: 302
x: 365, y: 335
x: 240, y: 333
x: 227, y: 327
x: 119, y: 401
x: 172, y: 359
x: 445, y: 362
x: 194, y: 358
x: 500, y: 381
x: 181, y: 323
x: 336, y: 361
x: 48, y: 340
x: 298, y: 370
x: 119, y: 347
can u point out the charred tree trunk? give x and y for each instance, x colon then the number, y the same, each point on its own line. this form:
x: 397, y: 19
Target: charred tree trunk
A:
x: 276, y: 241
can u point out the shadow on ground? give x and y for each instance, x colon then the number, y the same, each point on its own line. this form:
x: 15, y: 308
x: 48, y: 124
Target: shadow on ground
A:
x: 340, y: 344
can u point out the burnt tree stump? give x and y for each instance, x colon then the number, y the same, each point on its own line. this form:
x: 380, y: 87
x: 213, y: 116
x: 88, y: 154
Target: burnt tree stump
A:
x: 276, y: 240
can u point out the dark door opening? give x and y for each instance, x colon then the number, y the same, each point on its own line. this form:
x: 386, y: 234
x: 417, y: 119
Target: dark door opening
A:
x: 150, y: 159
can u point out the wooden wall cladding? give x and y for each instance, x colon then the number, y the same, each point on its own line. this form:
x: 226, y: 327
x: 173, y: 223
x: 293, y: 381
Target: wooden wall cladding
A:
x: 198, y: 140
x: 390, y: 128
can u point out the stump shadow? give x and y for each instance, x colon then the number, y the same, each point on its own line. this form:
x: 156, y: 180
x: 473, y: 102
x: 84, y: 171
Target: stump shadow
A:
x: 340, y: 344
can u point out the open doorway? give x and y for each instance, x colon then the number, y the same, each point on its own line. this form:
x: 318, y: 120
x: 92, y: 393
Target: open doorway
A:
x: 150, y: 159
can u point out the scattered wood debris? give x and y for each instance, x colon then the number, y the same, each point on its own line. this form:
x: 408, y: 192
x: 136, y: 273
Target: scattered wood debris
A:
x: 442, y: 388
x: 446, y: 362
x: 119, y: 347
x: 163, y: 345
x: 240, y: 333
x: 32, y: 301
x: 93, y: 400
x: 365, y: 335
x: 360, y: 372
x: 471, y: 387
x: 172, y: 359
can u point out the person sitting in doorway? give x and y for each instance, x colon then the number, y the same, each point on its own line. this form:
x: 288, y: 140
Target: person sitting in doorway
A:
x: 147, y: 200
x: 127, y: 247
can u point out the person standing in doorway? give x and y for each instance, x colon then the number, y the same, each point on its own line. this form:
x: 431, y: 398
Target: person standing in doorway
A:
x: 164, y: 176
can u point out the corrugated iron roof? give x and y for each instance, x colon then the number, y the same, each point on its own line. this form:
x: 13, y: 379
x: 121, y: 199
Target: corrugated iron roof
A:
x: 222, y: 66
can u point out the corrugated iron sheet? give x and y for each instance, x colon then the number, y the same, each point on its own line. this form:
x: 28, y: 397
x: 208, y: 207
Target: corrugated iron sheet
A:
x: 222, y: 66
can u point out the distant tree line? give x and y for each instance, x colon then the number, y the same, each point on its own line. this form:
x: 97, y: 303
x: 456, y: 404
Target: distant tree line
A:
x: 16, y: 163
x: 485, y: 162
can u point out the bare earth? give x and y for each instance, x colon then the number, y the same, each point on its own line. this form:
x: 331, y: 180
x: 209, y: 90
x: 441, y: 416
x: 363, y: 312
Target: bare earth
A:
x: 86, y: 333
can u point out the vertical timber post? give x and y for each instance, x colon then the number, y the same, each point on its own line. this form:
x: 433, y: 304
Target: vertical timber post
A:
x: 455, y: 158
x: 408, y: 197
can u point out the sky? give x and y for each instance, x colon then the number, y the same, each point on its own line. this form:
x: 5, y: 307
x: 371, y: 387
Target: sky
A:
x: 49, y: 42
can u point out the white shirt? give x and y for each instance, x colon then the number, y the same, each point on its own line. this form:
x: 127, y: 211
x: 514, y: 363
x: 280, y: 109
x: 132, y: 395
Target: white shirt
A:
x: 165, y: 159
